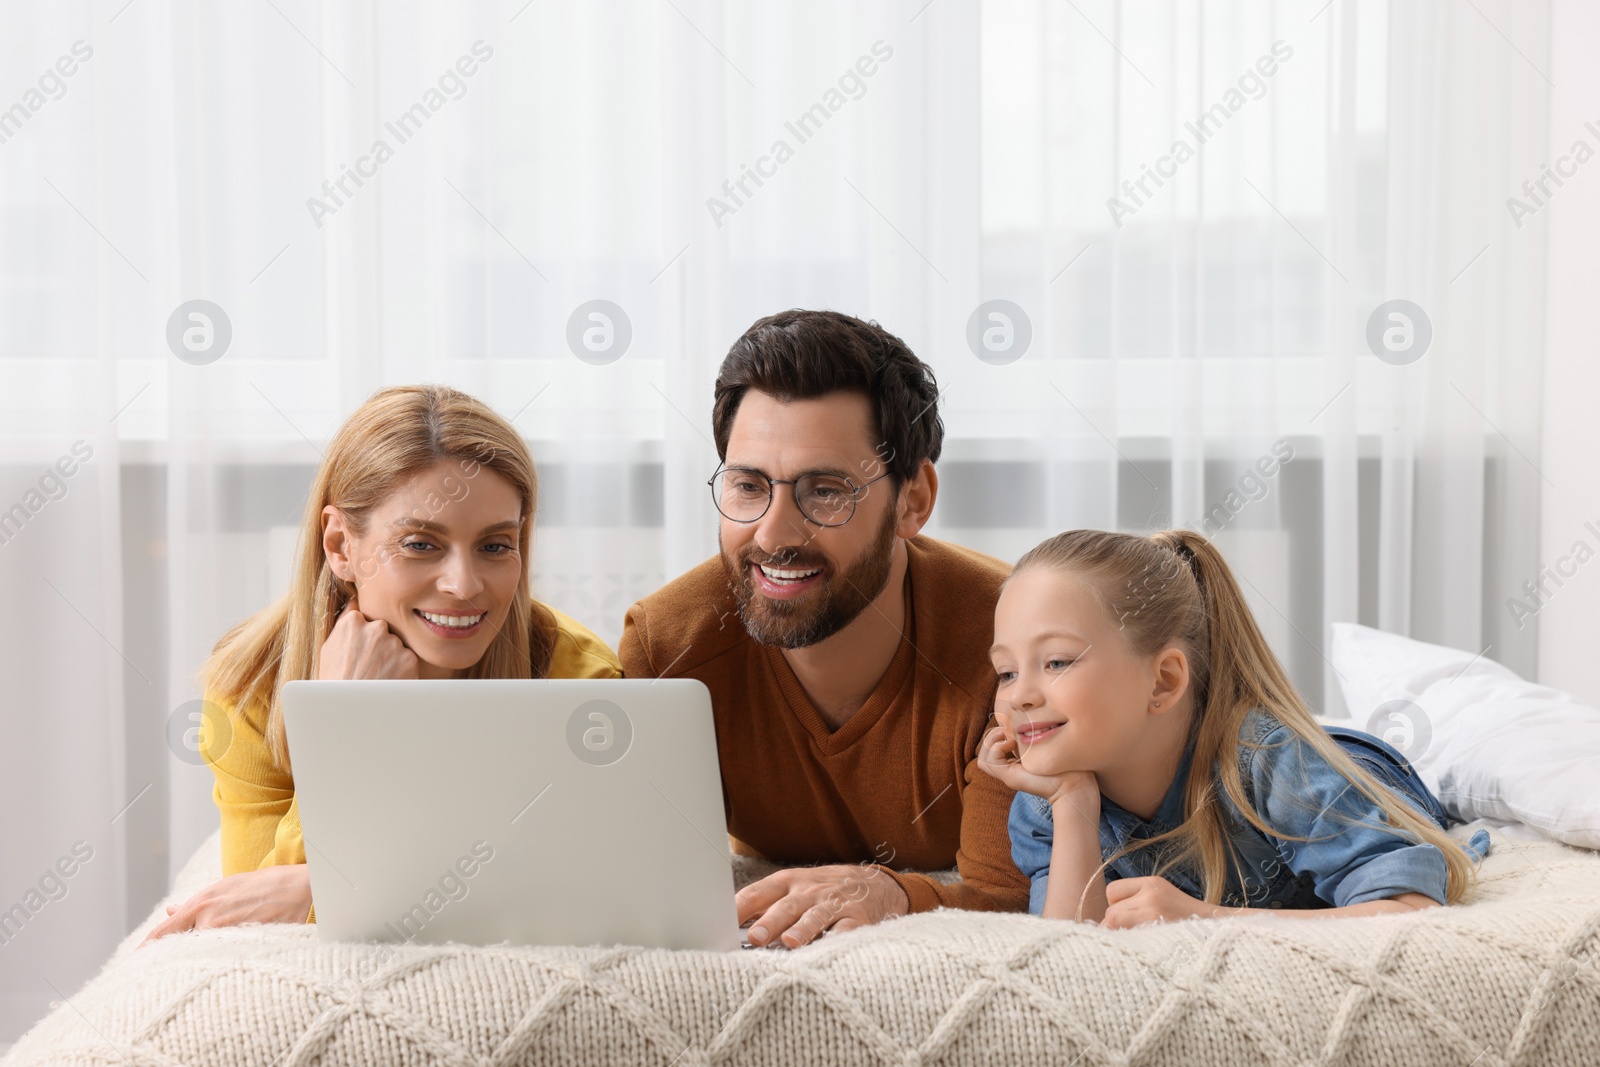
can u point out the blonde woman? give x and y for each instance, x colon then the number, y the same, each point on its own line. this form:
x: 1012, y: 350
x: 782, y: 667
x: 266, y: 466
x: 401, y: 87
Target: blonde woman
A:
x: 1167, y: 769
x: 412, y: 563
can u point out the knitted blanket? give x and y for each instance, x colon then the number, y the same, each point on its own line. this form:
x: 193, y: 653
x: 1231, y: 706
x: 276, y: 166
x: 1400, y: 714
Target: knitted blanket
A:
x: 1513, y: 977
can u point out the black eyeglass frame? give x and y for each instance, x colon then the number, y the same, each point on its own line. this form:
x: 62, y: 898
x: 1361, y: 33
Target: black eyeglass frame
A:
x: 772, y: 492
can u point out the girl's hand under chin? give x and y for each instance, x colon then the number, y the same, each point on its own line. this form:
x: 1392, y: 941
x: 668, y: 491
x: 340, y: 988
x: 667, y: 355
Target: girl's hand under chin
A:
x: 359, y: 647
x: 997, y: 754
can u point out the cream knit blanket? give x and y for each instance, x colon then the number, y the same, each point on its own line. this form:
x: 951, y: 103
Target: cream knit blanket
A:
x: 1511, y: 978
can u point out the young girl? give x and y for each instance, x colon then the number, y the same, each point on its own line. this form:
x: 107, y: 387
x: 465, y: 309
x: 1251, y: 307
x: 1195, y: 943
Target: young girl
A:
x: 1166, y: 768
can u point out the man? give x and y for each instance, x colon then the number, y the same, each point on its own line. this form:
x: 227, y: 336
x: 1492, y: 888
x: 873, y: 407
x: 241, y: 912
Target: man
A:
x: 847, y: 656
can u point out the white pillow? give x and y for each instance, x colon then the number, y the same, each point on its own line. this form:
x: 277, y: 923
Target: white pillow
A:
x: 1490, y: 744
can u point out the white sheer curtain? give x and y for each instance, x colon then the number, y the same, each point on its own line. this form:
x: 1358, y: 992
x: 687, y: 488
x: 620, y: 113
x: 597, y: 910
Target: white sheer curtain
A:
x: 1354, y: 153
x: 539, y: 156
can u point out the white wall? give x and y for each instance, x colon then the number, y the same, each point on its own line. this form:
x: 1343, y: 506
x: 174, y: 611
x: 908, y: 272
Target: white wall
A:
x: 1569, y: 618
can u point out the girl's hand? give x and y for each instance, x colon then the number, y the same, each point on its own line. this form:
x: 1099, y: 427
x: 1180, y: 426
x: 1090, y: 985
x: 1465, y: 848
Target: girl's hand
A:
x: 359, y: 647
x: 1133, y: 902
x: 997, y: 754
x: 270, y: 895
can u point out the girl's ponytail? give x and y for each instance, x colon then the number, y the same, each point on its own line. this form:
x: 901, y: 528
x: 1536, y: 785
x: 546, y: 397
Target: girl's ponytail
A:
x: 1241, y: 667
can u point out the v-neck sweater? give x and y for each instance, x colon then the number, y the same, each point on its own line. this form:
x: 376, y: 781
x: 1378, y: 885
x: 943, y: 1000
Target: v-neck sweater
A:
x: 896, y: 785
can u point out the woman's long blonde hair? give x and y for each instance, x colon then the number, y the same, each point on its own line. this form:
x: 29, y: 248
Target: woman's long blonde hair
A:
x: 398, y: 433
x: 1159, y: 599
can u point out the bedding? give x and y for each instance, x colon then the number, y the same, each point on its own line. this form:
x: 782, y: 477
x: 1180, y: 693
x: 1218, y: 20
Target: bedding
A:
x: 1489, y: 743
x: 1511, y: 978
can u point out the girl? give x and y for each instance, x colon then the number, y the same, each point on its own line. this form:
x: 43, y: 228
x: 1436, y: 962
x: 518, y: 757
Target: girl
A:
x: 412, y: 564
x: 1166, y: 768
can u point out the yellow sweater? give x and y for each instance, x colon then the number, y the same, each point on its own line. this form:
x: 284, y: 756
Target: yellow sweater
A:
x: 260, y: 816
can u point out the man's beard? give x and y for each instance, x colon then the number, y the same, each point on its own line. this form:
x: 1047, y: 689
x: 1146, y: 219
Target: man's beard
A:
x: 821, y: 612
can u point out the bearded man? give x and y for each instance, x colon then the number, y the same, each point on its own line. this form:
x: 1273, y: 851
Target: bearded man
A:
x: 846, y: 653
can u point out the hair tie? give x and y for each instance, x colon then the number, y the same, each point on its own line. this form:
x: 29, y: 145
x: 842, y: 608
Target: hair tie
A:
x: 1182, y: 548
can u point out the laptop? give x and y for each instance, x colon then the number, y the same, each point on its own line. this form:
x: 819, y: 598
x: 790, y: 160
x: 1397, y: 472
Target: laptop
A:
x: 480, y: 811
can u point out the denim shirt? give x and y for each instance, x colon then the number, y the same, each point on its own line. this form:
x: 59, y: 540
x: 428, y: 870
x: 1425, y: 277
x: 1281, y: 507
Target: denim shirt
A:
x: 1352, y: 856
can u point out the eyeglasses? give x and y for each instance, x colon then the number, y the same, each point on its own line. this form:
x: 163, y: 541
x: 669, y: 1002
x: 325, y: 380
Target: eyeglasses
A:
x: 744, y: 495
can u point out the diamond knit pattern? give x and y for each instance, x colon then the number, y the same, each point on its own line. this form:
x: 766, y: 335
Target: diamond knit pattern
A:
x: 1512, y: 978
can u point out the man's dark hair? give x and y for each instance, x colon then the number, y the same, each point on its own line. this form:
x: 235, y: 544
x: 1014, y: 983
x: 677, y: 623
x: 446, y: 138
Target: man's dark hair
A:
x: 801, y: 355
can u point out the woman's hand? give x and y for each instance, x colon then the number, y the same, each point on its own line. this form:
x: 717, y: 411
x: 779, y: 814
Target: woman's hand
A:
x: 1133, y: 902
x: 997, y: 754
x: 270, y: 895
x: 359, y: 647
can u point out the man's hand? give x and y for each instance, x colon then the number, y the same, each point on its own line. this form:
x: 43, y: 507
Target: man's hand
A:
x: 798, y: 905
x: 271, y: 895
x: 359, y: 647
x: 1135, y: 901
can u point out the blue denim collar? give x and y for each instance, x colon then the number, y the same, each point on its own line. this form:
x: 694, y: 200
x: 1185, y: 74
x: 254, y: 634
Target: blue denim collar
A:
x: 1118, y: 825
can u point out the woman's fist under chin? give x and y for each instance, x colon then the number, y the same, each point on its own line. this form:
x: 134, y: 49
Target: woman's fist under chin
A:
x: 359, y: 647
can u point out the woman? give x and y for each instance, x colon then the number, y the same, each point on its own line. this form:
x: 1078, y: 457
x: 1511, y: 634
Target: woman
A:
x: 413, y: 563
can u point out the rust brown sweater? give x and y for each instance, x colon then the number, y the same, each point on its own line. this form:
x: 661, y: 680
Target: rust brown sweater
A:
x: 897, y: 785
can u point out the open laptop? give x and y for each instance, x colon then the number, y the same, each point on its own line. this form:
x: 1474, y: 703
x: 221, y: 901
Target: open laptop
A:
x: 560, y: 812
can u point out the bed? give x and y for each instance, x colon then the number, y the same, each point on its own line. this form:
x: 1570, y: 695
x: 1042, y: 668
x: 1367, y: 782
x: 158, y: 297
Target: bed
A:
x: 1510, y: 978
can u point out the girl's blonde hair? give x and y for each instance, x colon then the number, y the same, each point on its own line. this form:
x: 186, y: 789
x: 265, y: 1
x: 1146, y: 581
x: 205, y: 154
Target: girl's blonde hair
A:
x: 1174, y: 588
x: 398, y: 433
